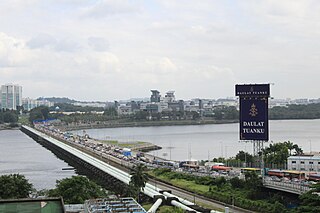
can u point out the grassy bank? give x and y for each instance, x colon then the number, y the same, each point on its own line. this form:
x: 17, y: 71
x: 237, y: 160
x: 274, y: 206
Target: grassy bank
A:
x: 246, y: 194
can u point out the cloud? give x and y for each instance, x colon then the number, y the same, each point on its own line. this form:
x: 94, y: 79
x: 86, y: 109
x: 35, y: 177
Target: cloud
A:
x: 41, y: 41
x: 98, y: 44
x: 46, y: 41
x: 121, y: 48
x: 106, y: 8
x: 67, y: 45
x: 13, y: 52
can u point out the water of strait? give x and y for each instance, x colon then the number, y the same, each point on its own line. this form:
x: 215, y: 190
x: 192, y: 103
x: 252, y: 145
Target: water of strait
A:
x: 201, y: 142
x: 21, y: 154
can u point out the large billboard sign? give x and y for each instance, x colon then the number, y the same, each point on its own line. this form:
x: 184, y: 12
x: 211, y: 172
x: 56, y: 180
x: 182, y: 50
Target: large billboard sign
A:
x: 254, y: 123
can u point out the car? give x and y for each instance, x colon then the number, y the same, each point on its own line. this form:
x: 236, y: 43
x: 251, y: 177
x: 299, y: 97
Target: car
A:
x: 295, y: 180
x: 267, y: 178
x: 285, y: 180
x: 275, y: 178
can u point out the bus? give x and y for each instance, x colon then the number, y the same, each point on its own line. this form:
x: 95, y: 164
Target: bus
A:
x: 218, y: 168
x: 255, y: 170
x: 314, y: 177
x: 290, y: 174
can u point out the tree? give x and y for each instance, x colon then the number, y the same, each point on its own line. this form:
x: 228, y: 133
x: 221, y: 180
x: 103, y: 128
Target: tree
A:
x: 111, y: 111
x: 310, y: 201
x: 244, y: 157
x: 139, y: 178
x: 290, y: 146
x: 40, y: 112
x: 14, y: 186
x: 297, y: 149
x: 252, y: 181
x: 140, y: 115
x: 77, y: 189
x: 278, y: 153
x: 237, y: 182
x: 10, y: 117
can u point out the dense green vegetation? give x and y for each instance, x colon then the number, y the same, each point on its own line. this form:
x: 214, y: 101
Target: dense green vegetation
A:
x: 218, y: 114
x: 310, y: 201
x: 244, y: 157
x: 14, y: 186
x: 246, y: 193
x: 275, y: 156
x: 66, y: 107
x: 8, y: 116
x: 39, y: 113
x: 278, y: 153
x: 59, y: 100
x: 310, y: 111
x: 77, y: 189
x: 139, y: 178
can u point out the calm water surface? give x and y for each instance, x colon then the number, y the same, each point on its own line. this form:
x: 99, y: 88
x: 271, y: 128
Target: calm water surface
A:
x: 21, y: 154
x: 214, y: 140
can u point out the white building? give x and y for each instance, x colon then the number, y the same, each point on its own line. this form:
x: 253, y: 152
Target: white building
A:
x: 162, y: 106
x: 304, y: 163
x: 124, y: 110
x: 90, y: 104
x: 28, y: 103
x: 11, y: 96
x: 169, y: 97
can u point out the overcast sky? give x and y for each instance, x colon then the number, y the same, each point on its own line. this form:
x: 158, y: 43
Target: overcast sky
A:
x: 121, y: 49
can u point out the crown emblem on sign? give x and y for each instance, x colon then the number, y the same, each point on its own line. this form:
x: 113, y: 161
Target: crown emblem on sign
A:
x: 253, y: 111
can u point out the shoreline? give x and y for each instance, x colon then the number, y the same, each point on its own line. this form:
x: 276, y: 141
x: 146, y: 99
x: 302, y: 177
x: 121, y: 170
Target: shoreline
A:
x: 9, y: 128
x: 72, y: 127
x: 143, y: 124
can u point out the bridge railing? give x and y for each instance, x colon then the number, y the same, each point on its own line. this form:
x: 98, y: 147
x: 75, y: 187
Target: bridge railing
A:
x: 297, y: 188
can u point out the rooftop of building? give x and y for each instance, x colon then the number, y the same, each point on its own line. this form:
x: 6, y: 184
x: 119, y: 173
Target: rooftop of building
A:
x: 41, y: 205
x: 110, y: 205
x: 305, y: 157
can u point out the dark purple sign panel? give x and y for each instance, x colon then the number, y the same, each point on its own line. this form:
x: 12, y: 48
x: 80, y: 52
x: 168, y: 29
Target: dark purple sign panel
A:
x: 254, y: 124
x: 253, y: 90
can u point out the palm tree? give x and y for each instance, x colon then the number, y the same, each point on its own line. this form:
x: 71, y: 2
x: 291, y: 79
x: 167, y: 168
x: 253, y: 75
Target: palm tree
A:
x: 289, y: 145
x: 139, y: 178
x: 297, y: 149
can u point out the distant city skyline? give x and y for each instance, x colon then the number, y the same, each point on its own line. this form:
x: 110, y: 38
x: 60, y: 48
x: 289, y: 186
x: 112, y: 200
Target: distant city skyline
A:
x: 120, y: 49
x: 162, y: 94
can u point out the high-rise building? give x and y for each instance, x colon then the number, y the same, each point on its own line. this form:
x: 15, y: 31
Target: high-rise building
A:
x: 155, y: 96
x: 11, y: 96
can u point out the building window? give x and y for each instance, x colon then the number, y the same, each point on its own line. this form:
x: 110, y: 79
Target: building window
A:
x: 302, y: 162
x: 319, y: 162
x: 302, y: 169
x: 310, y: 162
x: 294, y: 169
x: 311, y: 169
x: 294, y: 161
